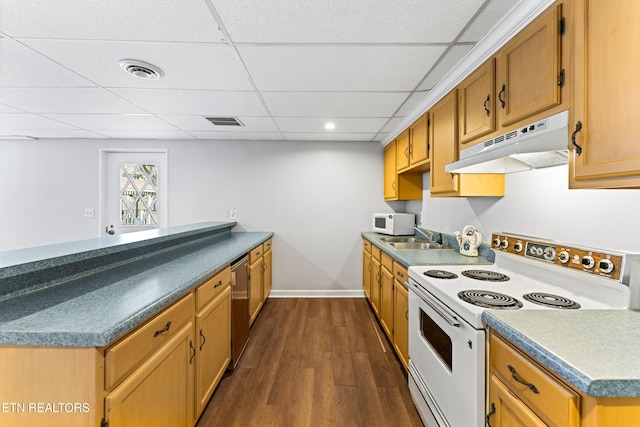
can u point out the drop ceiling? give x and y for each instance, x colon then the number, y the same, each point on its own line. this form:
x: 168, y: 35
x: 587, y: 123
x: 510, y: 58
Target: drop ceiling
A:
x: 283, y: 68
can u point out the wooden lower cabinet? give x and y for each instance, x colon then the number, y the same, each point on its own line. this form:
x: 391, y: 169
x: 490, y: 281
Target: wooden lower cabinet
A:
x: 267, y: 275
x: 401, y: 322
x: 213, y: 328
x: 160, y: 392
x: 386, y: 301
x: 511, y: 402
x: 376, y: 280
x: 255, y: 283
x: 366, y: 272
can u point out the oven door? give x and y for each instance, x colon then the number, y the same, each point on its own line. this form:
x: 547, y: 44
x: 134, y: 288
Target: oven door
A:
x: 448, y: 357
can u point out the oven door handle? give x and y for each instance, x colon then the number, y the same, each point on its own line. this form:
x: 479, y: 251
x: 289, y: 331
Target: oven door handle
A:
x: 434, y: 305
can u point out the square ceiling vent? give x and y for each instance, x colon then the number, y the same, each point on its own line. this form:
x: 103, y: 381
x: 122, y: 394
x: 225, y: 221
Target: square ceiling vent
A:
x: 225, y: 121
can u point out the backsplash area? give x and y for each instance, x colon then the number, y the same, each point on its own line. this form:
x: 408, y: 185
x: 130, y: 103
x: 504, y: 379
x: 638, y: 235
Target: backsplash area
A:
x: 539, y: 203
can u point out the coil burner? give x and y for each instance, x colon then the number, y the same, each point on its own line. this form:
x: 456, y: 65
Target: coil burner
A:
x: 486, y: 275
x: 489, y: 299
x: 550, y: 300
x: 440, y: 274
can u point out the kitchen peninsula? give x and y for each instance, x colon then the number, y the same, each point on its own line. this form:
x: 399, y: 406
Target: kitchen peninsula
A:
x: 66, y: 309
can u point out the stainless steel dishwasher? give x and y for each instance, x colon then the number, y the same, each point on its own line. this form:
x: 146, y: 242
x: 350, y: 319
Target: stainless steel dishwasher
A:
x: 239, y: 308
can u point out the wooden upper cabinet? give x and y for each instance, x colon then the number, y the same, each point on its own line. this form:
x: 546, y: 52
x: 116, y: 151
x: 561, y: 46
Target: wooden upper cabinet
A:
x: 476, y: 103
x: 399, y: 187
x: 529, y: 69
x: 402, y: 150
x: 607, y: 95
x: 444, y: 144
x: 390, y: 171
x: 419, y: 141
x: 444, y: 150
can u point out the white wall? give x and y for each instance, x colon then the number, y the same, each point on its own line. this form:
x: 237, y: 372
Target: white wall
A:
x: 317, y: 197
x: 539, y: 203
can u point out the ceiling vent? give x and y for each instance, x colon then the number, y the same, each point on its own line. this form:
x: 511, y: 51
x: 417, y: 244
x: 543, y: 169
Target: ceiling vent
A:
x: 224, y: 121
x: 141, y: 70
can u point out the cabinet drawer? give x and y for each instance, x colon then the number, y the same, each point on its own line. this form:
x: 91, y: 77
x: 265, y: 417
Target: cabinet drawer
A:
x: 387, y: 262
x: 367, y: 245
x: 375, y: 252
x: 400, y: 272
x: 267, y: 245
x: 555, y: 403
x: 255, y: 254
x: 209, y: 289
x: 126, y: 355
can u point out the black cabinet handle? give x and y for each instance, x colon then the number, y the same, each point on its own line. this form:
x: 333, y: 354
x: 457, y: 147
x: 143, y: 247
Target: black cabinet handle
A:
x: 485, y: 105
x: 491, y: 412
x: 203, y: 340
x: 194, y: 352
x: 577, y: 129
x: 500, y: 95
x: 515, y: 376
x: 218, y: 284
x: 160, y: 331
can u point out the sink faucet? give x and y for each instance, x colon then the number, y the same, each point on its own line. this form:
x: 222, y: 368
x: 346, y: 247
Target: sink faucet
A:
x: 432, y: 236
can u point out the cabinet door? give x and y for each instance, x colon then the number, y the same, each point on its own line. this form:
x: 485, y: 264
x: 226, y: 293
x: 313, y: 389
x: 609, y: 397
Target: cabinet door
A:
x: 506, y: 410
x: 529, y: 70
x: 402, y: 151
x: 266, y: 275
x: 160, y: 392
x: 213, y: 328
x: 386, y: 301
x: 366, y: 274
x: 401, y: 322
x: 375, y: 285
x: 390, y: 185
x: 607, y: 95
x: 255, y: 289
x: 419, y: 141
x: 476, y: 100
x: 444, y: 144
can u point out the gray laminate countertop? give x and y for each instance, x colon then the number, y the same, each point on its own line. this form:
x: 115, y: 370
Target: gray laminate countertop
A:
x: 448, y: 256
x: 90, y: 293
x: 596, y: 351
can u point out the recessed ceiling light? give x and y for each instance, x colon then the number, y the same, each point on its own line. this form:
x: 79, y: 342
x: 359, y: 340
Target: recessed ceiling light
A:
x: 329, y: 126
x: 141, y: 69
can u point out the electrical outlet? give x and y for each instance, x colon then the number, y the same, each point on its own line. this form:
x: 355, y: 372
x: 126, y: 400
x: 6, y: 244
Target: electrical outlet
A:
x: 233, y: 213
x: 88, y: 212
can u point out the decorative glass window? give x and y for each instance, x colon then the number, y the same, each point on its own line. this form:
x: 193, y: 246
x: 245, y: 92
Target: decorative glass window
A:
x: 138, y: 194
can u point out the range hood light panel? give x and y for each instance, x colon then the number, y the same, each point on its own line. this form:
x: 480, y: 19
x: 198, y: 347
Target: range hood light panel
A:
x: 540, y: 144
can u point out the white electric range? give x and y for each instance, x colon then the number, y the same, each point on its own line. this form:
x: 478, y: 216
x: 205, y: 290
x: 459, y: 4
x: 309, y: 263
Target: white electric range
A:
x: 447, y: 339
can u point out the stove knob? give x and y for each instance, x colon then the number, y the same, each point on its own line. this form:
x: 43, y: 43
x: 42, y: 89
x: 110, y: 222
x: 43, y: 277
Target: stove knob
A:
x: 518, y: 246
x: 549, y: 253
x: 563, y: 257
x: 532, y: 250
x: 504, y: 244
x: 588, y: 262
x: 605, y: 266
x: 496, y: 242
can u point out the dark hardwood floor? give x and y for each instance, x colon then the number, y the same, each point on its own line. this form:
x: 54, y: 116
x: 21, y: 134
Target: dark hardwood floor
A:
x: 314, y: 362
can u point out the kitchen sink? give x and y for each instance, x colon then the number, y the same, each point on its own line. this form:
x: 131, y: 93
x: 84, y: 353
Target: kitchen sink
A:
x: 417, y: 245
x: 397, y: 239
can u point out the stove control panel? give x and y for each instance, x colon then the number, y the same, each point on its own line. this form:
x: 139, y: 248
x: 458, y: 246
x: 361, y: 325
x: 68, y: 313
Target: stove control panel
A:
x: 587, y: 260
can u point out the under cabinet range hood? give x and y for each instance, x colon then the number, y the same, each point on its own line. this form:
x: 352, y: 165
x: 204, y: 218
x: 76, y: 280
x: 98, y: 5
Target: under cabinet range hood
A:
x: 540, y: 144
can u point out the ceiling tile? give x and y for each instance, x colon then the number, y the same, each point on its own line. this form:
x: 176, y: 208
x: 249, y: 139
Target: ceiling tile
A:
x: 17, y: 122
x: 100, y: 122
x: 451, y: 58
x: 195, y: 102
x: 332, y: 21
x: 311, y: 124
x: 157, y: 20
x: 185, y: 65
x: 391, y: 125
x: 411, y: 103
x: 66, y: 100
x: 55, y: 133
x: 22, y: 67
x: 338, y: 68
x: 200, y: 123
x: 486, y: 20
x: 336, y: 104
x: 266, y: 136
x: 311, y: 136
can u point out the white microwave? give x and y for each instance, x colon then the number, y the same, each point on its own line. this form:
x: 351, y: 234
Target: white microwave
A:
x: 394, y: 224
